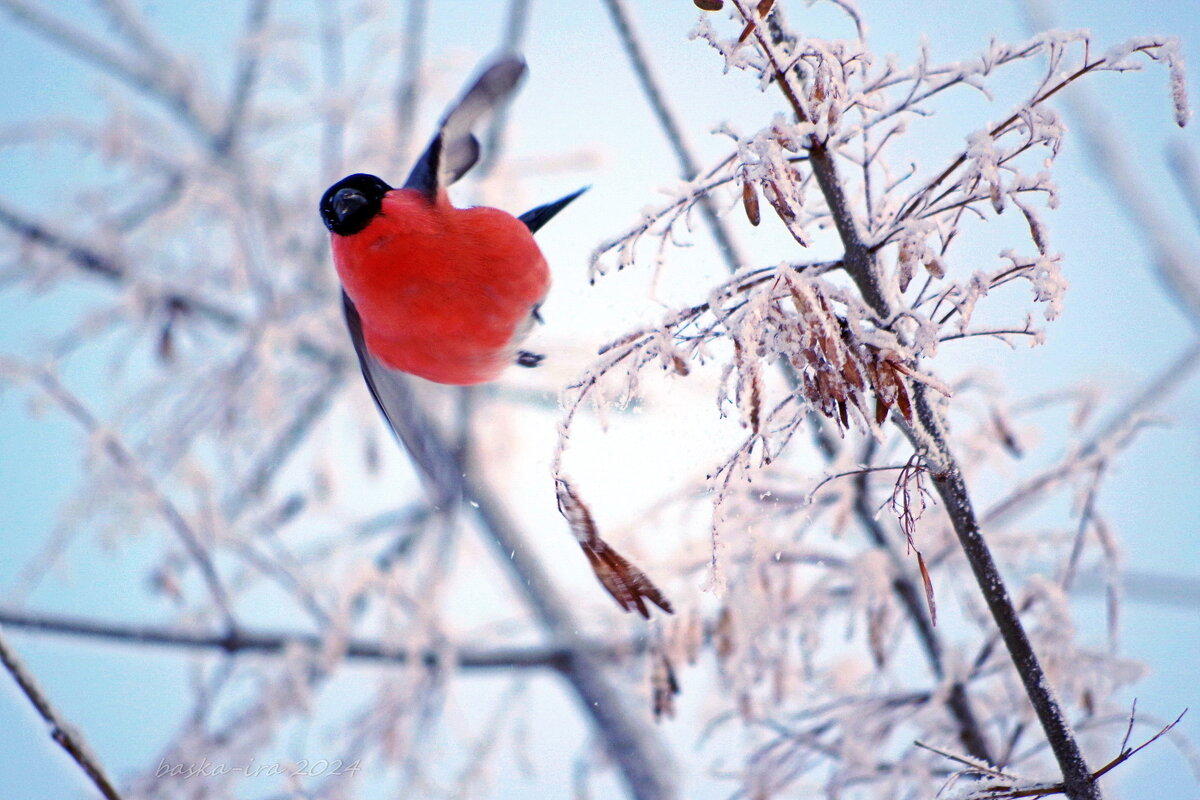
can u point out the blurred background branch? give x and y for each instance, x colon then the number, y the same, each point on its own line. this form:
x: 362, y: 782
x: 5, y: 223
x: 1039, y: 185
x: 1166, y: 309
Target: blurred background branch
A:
x: 274, y: 566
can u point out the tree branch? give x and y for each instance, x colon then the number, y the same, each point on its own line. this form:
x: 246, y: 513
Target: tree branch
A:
x: 86, y: 258
x: 67, y: 736
x: 645, y: 763
x: 688, y: 166
x: 95, y: 262
x: 246, y: 76
x: 927, y: 436
x: 127, y: 461
x: 551, y: 656
x: 166, y: 83
x: 951, y: 486
x: 1173, y: 258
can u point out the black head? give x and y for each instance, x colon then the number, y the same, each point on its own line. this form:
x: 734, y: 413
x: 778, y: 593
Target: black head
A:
x: 350, y: 204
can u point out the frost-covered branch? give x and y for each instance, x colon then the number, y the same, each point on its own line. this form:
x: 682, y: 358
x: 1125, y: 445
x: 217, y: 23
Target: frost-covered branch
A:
x: 165, y: 81
x: 861, y: 357
x: 928, y: 437
x: 688, y: 166
x: 140, y: 477
x: 1174, y: 260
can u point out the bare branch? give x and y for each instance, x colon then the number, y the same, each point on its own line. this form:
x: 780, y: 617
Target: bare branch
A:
x: 80, y: 254
x: 1010, y: 792
x: 554, y: 657
x: 165, y: 83
x: 132, y: 27
x: 66, y: 735
x: 407, y: 92
x: 245, y: 75
x: 125, y: 460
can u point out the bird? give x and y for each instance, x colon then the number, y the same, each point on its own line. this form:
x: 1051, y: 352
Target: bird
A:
x: 443, y: 293
x: 448, y: 294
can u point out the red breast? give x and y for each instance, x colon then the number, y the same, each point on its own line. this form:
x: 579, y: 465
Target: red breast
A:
x: 444, y: 293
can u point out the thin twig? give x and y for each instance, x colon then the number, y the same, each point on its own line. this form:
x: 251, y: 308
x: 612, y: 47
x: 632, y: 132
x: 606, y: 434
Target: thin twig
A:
x: 974, y: 766
x: 67, y: 736
x: 168, y: 86
x: 546, y: 656
x: 125, y: 460
x: 84, y: 257
x: 130, y: 25
x: 246, y: 75
x: 1174, y: 261
x: 412, y: 45
x: 970, y: 732
x: 1049, y: 789
x: 95, y: 262
x: 688, y: 166
x: 922, y: 196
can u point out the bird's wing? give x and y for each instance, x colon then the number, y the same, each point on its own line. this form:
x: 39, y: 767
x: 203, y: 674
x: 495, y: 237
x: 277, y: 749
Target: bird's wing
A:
x: 393, y: 396
x: 443, y: 476
x: 454, y: 149
x: 535, y: 218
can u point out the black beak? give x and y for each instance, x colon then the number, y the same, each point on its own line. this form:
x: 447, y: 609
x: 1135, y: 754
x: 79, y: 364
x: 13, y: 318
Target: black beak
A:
x: 347, y: 202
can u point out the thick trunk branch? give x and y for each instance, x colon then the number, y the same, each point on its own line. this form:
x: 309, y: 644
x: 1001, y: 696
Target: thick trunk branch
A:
x: 951, y: 487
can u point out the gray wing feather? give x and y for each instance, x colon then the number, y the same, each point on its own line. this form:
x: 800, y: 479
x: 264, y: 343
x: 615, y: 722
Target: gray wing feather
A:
x: 392, y: 392
x: 454, y: 149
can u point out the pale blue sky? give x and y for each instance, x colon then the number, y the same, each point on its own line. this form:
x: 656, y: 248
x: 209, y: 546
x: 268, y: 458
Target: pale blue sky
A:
x: 1117, y: 328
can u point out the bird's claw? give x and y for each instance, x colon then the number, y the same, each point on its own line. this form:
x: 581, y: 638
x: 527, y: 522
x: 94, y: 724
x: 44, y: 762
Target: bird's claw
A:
x: 528, y: 359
